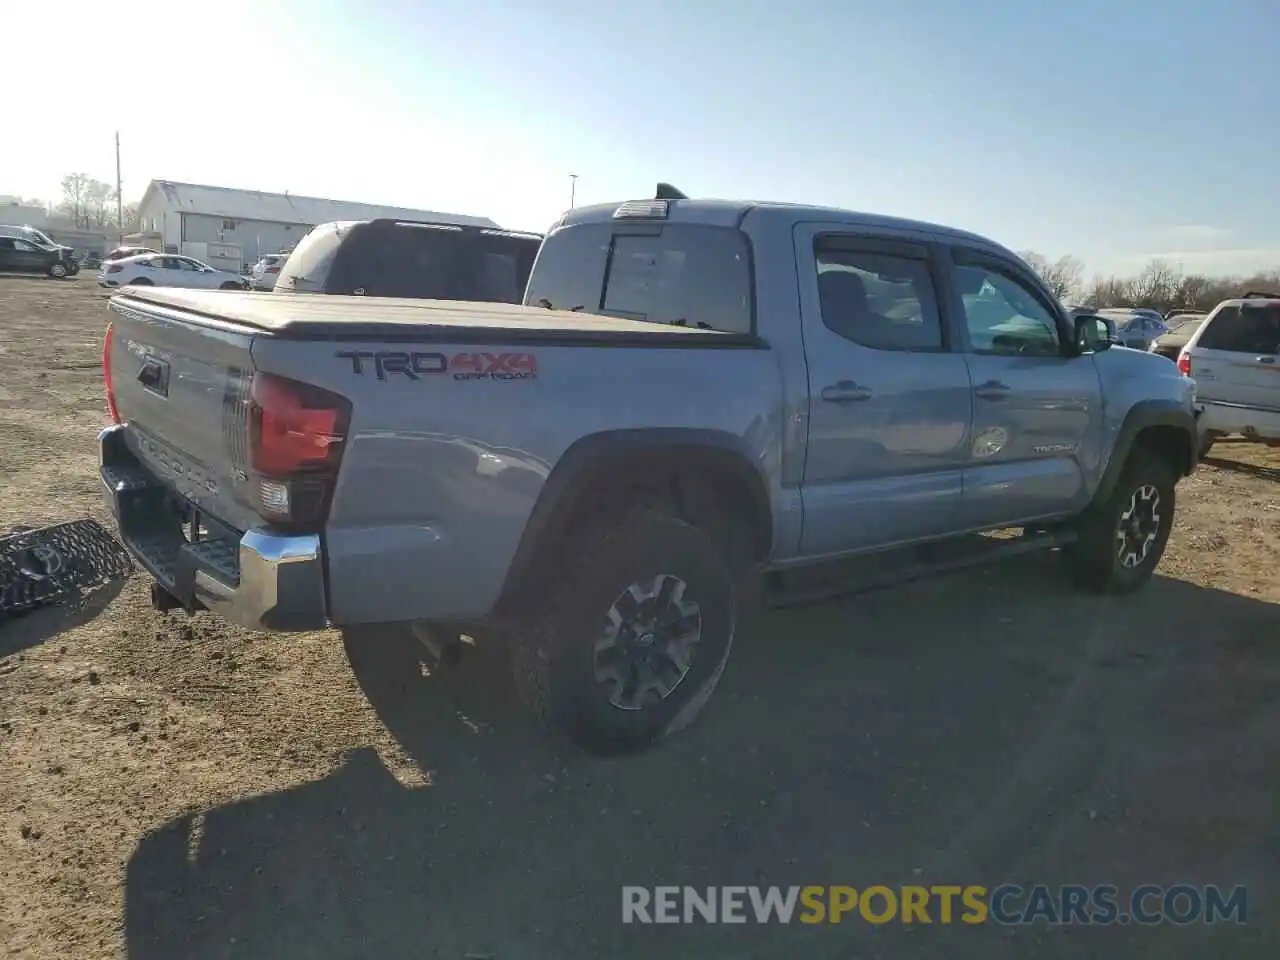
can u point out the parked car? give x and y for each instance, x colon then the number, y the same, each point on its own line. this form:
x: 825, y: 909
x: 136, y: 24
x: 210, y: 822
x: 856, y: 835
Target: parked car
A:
x: 1234, y: 358
x: 397, y: 258
x: 264, y: 273
x: 26, y: 256
x: 120, y: 253
x: 28, y: 233
x: 697, y: 396
x: 1178, y: 330
x: 1136, y: 328
x: 64, y: 261
x: 168, y: 270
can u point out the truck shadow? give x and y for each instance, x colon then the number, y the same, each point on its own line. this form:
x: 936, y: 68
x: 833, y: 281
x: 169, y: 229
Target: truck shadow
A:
x: 1249, y: 469
x: 990, y: 727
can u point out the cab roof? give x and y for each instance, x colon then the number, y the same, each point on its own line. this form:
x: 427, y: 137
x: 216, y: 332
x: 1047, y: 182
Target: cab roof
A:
x: 677, y: 208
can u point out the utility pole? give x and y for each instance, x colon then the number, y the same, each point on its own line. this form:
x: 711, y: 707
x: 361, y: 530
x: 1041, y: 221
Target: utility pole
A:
x: 573, y: 189
x: 119, y: 198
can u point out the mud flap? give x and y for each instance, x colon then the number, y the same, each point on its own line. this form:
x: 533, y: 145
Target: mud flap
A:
x: 46, y: 564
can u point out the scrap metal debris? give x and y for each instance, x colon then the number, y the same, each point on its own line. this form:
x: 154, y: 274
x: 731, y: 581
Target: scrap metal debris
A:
x: 44, y: 565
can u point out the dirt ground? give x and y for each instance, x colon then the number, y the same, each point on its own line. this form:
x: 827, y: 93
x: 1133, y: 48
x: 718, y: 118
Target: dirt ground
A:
x: 174, y: 787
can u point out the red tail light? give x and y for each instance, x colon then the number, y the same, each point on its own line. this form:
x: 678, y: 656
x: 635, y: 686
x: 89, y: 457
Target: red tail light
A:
x: 1184, y: 364
x: 296, y: 436
x: 107, y: 341
x: 273, y: 269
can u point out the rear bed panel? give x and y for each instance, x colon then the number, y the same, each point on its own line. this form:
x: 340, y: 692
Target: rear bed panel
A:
x: 442, y: 470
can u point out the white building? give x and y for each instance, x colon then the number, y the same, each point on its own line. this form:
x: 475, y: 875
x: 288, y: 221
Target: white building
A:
x: 231, y: 228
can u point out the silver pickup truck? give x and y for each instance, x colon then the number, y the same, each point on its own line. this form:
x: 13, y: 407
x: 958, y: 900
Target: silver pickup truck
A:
x: 697, y: 397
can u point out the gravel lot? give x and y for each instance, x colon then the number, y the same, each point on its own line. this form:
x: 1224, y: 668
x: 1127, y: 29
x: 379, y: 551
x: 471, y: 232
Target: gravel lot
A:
x: 174, y: 787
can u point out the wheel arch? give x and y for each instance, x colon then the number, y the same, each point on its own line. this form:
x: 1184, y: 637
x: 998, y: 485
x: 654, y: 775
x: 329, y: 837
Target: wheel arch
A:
x: 707, y: 477
x: 1165, y: 427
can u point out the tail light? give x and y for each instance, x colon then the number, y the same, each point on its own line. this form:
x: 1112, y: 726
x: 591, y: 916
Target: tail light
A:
x: 296, y: 437
x: 107, y: 342
x: 273, y: 269
x: 1184, y: 364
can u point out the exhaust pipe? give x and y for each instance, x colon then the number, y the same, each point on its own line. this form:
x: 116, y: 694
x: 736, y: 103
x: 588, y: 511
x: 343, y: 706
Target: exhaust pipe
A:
x: 445, y: 649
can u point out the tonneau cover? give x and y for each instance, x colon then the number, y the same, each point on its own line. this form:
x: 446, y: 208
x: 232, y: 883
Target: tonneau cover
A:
x: 324, y: 316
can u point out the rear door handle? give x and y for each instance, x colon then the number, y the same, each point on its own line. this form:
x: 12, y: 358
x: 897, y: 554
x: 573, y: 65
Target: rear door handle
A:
x: 992, y: 390
x: 846, y: 391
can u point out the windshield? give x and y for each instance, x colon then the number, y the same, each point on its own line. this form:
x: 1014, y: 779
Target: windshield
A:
x: 35, y: 236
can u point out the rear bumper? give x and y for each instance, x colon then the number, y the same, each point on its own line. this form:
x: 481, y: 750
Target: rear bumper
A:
x: 260, y: 578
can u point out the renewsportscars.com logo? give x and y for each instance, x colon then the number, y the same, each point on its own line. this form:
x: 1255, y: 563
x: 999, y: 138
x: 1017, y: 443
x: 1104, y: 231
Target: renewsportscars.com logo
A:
x: 1008, y: 904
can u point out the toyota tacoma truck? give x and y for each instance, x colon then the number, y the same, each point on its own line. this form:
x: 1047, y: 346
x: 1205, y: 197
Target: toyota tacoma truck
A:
x: 699, y: 403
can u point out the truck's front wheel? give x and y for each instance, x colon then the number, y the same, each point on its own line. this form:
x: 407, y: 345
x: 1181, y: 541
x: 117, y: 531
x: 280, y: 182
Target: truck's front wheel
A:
x: 1123, y: 537
x: 630, y: 644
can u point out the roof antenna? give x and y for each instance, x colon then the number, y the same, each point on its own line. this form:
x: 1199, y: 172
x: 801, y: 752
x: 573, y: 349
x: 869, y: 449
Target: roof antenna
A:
x: 666, y: 191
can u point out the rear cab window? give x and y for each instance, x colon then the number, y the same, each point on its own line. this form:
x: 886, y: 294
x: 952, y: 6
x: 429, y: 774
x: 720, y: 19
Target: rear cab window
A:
x: 673, y: 273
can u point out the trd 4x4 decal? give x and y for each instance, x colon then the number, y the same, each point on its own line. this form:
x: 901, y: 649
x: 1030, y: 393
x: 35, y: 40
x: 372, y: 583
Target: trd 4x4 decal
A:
x: 463, y: 366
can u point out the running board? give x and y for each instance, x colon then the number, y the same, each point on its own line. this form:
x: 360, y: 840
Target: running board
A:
x: 888, y: 568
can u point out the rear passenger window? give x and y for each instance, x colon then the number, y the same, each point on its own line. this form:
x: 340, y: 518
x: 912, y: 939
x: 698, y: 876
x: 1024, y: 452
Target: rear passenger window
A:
x: 682, y: 274
x: 1247, y: 329
x: 878, y: 300
x: 414, y: 262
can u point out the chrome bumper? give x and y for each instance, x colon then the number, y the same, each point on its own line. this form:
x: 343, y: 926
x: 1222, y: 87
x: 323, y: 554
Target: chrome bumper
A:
x: 259, y: 579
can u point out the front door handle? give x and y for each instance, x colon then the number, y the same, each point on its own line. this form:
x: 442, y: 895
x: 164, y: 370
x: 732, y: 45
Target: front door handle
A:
x: 846, y: 391
x: 992, y: 390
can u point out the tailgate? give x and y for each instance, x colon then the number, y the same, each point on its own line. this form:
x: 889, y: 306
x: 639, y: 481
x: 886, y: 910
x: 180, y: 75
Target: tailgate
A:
x: 182, y: 387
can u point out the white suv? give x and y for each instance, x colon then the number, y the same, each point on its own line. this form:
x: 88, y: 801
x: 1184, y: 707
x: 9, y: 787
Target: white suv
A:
x: 1234, y: 359
x: 267, y: 270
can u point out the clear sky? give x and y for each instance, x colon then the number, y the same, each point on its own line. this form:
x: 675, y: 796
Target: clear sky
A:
x: 1115, y: 131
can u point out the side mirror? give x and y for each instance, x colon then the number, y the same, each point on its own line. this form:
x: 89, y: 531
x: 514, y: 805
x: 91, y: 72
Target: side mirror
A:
x: 1095, y: 334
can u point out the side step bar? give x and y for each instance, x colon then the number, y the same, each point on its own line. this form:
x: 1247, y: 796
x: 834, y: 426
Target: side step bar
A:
x: 887, y: 568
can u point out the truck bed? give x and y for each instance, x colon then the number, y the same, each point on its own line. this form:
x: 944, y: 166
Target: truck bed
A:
x: 327, y: 317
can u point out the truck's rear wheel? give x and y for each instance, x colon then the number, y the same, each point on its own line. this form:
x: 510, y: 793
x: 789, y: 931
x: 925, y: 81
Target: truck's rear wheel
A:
x: 630, y: 644
x: 1122, y: 538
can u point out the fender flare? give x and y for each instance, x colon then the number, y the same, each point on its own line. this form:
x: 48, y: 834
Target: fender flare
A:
x: 591, y: 457
x: 1141, y: 416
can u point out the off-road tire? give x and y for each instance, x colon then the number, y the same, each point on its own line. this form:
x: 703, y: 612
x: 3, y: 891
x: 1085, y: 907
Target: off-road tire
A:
x: 552, y: 648
x: 1093, y: 559
x: 58, y: 271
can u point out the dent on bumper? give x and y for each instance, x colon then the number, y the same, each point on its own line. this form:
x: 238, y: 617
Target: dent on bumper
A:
x: 265, y: 580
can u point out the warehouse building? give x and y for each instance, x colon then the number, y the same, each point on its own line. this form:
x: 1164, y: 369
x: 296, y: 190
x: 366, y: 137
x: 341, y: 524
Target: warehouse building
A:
x: 231, y: 228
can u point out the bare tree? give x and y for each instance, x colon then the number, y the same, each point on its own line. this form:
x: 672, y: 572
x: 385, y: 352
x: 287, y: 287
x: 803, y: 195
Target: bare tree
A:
x: 1156, y: 286
x: 1063, y: 276
x: 101, y: 201
x: 131, y: 222
x: 75, y: 198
